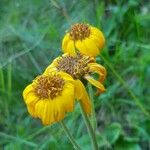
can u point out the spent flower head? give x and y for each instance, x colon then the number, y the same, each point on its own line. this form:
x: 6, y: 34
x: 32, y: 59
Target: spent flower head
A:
x: 80, y: 67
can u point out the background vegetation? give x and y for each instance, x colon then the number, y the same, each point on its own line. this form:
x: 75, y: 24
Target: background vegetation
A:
x: 30, y: 37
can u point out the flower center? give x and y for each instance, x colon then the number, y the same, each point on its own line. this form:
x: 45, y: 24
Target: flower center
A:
x: 80, y: 31
x: 49, y: 86
x: 76, y: 66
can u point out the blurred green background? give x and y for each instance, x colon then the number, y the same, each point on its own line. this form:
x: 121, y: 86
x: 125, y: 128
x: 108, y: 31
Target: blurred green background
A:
x: 30, y: 37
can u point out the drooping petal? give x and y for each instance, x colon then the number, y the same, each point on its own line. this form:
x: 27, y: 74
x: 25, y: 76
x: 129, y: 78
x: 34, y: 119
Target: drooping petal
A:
x: 95, y: 83
x: 91, y: 48
x: 99, y: 69
x: 51, y: 68
x: 31, y: 98
x: 82, y: 95
x: 70, y: 48
x: 96, y: 40
x: 48, y: 113
x: 28, y: 89
x: 39, y: 107
x: 31, y: 110
x: 65, y: 41
x: 99, y: 35
x: 66, y: 76
x: 81, y: 46
x: 44, y: 113
x: 67, y: 98
x: 59, y: 111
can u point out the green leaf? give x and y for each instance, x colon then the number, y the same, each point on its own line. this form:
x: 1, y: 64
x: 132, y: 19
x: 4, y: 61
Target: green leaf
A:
x: 112, y: 132
x: 101, y: 140
x: 146, y: 126
x: 126, y: 145
x: 84, y: 142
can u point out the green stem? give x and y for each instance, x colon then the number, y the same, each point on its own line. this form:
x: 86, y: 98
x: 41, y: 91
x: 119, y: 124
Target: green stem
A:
x: 9, y: 79
x: 72, y: 140
x: 34, y: 62
x: 93, y: 118
x: 136, y: 100
x: 89, y: 128
x: 2, y: 79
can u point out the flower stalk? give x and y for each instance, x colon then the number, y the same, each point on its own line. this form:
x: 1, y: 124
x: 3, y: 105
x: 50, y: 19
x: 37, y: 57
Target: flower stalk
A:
x: 93, y: 116
x: 89, y: 128
x: 71, y: 138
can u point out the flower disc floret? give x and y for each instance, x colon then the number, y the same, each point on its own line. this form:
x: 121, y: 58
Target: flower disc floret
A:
x: 79, y: 31
x: 48, y: 86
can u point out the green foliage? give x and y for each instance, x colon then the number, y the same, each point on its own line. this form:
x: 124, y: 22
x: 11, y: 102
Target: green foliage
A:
x: 126, y: 145
x: 30, y: 37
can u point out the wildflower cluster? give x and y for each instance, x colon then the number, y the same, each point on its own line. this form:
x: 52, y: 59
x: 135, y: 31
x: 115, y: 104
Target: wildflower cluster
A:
x: 54, y: 93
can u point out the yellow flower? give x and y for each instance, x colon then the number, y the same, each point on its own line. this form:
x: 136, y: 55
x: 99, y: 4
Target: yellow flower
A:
x: 80, y: 67
x: 86, y: 39
x: 49, y: 97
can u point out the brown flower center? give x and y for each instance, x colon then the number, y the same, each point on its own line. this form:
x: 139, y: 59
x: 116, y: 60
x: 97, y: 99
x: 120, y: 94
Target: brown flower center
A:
x: 79, y: 31
x: 76, y: 66
x: 49, y: 86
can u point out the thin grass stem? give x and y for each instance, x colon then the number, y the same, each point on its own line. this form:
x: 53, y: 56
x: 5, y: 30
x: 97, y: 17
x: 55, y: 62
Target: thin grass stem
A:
x: 89, y: 128
x: 71, y: 138
x: 9, y: 79
x: 136, y: 100
x: 93, y: 116
x: 2, y: 79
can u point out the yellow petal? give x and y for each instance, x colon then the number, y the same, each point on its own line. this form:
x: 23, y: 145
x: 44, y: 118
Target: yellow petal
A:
x: 51, y: 68
x: 66, y: 77
x: 96, y: 40
x: 94, y: 67
x: 82, y: 95
x: 48, y: 113
x: 70, y: 48
x: 31, y: 98
x: 99, y: 35
x: 44, y: 114
x: 65, y: 41
x: 95, y: 83
x: 81, y: 46
x: 91, y: 48
x: 31, y: 110
x: 78, y: 89
x: 68, y: 97
x: 59, y: 111
x: 39, y: 107
x: 28, y: 89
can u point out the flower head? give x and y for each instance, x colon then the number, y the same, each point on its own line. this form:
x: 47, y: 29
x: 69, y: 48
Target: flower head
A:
x: 85, y: 38
x: 80, y: 67
x: 49, y: 97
